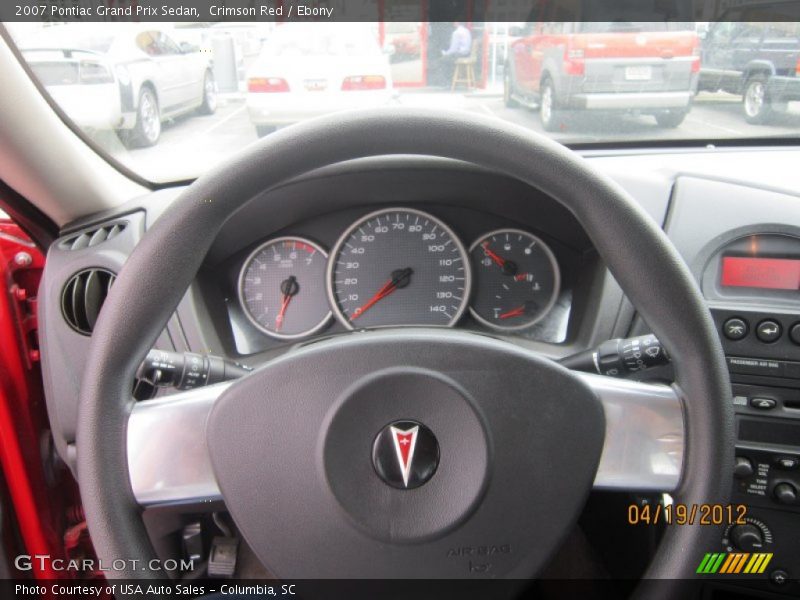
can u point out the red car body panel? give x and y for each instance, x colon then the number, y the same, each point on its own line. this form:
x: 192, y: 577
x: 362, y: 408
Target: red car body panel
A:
x: 38, y: 505
x: 559, y: 52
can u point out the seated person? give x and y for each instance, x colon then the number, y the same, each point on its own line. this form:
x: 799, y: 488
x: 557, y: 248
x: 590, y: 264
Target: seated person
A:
x: 441, y: 70
x: 460, y: 42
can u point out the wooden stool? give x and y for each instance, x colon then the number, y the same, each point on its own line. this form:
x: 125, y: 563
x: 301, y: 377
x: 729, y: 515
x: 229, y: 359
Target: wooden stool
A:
x: 464, y: 71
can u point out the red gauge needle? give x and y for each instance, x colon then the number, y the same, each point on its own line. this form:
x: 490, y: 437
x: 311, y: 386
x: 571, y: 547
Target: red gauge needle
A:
x: 509, y: 267
x: 400, y: 278
x: 500, y: 261
x: 289, y: 288
x: 517, y: 312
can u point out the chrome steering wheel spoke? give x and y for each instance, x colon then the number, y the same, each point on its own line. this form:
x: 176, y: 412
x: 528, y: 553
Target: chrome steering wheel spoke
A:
x: 169, y: 461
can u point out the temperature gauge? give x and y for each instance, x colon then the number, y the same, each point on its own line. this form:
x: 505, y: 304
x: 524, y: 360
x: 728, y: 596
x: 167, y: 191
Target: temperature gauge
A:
x: 282, y: 288
x: 516, y: 279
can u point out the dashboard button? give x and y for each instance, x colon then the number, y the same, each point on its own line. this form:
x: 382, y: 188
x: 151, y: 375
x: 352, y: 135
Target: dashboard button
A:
x: 787, y: 463
x: 768, y: 331
x: 763, y: 403
x: 794, y: 333
x: 779, y: 577
x: 735, y: 328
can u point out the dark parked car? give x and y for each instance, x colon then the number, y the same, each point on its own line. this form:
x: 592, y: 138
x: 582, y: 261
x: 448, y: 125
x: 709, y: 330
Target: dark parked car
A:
x: 758, y: 60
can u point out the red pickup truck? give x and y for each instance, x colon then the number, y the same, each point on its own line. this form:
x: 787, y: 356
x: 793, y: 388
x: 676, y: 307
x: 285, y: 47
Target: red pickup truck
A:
x: 651, y: 68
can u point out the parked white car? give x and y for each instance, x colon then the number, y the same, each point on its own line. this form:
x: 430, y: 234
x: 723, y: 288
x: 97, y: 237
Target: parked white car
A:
x: 156, y: 77
x: 309, y: 69
x: 82, y: 83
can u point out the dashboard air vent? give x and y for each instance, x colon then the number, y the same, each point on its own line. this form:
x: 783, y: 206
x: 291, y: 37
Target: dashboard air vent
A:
x: 83, y: 297
x: 92, y: 237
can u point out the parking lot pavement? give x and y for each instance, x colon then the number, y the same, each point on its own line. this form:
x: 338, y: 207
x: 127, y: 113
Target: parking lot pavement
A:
x: 712, y: 117
x: 190, y: 144
x: 193, y: 144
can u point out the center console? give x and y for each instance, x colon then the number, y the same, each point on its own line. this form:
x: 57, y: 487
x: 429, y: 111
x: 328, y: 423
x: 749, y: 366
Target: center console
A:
x: 743, y: 245
x: 753, y: 288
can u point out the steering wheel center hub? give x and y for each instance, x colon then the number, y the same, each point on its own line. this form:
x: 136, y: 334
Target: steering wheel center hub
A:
x: 501, y: 449
x: 418, y: 484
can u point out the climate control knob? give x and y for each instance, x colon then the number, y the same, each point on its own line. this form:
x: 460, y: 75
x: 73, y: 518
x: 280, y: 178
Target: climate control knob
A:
x: 746, y: 537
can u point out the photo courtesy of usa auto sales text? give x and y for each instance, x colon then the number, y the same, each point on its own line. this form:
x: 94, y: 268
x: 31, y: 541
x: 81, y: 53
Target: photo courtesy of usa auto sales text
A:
x: 75, y: 590
x: 141, y: 589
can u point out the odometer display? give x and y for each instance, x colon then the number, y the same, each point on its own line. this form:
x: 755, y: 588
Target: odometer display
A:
x: 398, y: 267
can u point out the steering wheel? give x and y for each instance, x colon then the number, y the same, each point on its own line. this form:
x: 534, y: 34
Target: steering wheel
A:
x: 520, y: 441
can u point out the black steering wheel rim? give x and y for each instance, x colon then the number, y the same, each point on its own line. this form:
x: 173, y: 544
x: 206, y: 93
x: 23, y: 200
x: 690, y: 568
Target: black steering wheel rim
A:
x: 637, y: 252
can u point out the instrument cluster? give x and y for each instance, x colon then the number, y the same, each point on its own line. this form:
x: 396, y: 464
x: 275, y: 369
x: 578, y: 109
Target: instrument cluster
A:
x: 398, y: 267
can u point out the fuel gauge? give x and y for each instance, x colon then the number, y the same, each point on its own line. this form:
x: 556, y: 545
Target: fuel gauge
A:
x: 516, y: 279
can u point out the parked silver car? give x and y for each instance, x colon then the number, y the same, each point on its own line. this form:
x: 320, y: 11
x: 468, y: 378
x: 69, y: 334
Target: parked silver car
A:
x: 156, y: 77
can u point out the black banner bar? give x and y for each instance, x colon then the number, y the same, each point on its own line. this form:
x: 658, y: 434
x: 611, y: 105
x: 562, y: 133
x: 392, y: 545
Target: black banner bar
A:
x: 514, y: 11
x: 372, y: 589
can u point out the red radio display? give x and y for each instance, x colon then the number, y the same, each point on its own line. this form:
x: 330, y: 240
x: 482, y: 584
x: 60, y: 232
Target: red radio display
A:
x: 763, y: 273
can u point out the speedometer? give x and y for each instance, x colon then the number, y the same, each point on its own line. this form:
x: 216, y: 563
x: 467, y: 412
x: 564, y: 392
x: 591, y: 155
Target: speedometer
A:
x: 398, y: 266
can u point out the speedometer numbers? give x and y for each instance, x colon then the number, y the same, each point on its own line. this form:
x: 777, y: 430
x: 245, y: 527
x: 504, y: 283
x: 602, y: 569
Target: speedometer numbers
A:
x: 398, y: 267
x: 516, y: 279
x: 282, y: 285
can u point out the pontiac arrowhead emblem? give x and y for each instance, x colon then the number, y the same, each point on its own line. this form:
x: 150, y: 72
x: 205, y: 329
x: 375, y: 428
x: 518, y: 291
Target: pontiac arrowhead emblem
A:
x: 405, y: 454
x: 404, y: 444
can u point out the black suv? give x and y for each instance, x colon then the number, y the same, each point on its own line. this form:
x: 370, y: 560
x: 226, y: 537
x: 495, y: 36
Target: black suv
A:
x: 758, y: 60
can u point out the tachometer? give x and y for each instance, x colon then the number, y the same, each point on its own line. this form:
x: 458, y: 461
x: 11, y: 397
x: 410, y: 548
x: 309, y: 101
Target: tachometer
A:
x: 398, y: 266
x: 516, y: 279
x: 282, y: 288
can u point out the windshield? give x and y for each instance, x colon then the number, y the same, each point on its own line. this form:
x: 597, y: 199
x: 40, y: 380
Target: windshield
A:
x: 319, y: 41
x: 172, y: 100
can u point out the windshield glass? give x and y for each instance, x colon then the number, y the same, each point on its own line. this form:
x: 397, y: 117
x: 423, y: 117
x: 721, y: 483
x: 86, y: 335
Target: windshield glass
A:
x: 320, y: 41
x: 171, y: 100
